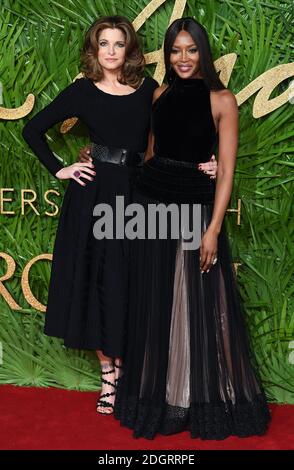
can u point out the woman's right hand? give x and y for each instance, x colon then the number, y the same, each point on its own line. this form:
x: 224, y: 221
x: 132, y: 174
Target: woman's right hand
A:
x: 209, y: 168
x: 85, y: 154
x: 85, y: 169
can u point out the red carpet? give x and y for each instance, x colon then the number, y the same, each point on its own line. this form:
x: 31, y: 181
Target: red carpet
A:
x: 49, y: 418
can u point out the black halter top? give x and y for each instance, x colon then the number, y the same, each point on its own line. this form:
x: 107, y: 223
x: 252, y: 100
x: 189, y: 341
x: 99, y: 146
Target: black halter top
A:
x: 185, y: 135
x: 182, y: 122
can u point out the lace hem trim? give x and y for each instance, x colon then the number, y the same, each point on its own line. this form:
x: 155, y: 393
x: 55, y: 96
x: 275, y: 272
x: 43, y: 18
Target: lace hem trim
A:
x: 204, y: 421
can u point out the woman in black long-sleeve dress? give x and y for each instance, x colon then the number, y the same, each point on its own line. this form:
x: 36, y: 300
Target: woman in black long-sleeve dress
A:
x: 86, y: 301
x: 188, y: 364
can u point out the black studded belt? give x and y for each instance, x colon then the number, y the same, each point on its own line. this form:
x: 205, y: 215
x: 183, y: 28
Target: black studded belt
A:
x: 120, y: 156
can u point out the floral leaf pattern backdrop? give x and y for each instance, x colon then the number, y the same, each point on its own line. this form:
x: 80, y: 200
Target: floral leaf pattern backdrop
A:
x: 40, y: 43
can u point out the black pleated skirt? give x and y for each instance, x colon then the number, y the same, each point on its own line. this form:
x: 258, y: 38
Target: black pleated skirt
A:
x: 189, y: 364
x: 87, y: 292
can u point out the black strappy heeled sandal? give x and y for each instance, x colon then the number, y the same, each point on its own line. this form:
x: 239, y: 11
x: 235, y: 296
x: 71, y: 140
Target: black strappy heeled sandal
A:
x: 105, y: 403
x: 116, y: 366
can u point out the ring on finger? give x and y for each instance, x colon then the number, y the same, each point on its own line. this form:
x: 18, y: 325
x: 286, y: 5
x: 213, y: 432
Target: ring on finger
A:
x: 77, y: 173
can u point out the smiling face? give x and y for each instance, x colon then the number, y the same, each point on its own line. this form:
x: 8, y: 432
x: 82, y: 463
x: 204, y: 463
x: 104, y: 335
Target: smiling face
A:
x: 184, y: 57
x: 111, y: 49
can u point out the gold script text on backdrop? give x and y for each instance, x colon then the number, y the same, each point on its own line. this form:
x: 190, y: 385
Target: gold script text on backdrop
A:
x: 265, y: 83
x: 25, y: 284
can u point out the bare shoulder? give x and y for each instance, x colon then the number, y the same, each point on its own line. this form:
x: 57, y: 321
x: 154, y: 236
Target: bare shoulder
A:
x: 225, y: 98
x: 158, y: 91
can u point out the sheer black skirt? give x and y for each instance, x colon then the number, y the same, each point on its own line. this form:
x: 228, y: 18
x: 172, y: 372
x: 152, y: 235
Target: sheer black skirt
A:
x: 189, y: 364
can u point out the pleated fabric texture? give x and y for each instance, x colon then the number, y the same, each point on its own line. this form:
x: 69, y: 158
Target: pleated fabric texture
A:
x: 87, y: 291
x: 189, y: 364
x: 170, y: 181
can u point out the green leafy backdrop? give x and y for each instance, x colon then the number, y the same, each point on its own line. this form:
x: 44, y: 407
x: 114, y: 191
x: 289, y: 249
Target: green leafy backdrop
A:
x: 40, y: 42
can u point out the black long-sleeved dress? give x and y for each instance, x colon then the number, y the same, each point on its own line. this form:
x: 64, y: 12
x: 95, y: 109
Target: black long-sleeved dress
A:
x: 87, y: 291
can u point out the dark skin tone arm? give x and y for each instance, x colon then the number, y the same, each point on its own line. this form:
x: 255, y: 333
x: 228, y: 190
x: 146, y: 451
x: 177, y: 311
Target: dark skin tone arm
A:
x: 225, y: 107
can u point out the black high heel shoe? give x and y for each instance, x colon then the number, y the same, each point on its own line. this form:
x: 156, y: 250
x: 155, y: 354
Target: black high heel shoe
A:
x: 104, y: 403
x: 116, y: 366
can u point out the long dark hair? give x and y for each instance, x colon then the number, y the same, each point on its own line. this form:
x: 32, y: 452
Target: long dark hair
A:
x: 133, y: 68
x: 200, y: 37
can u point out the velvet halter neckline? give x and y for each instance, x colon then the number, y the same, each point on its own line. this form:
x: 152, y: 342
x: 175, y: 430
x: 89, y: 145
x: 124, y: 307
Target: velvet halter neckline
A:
x: 195, y: 83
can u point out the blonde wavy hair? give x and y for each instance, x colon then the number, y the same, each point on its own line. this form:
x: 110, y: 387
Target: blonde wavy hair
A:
x: 133, y: 68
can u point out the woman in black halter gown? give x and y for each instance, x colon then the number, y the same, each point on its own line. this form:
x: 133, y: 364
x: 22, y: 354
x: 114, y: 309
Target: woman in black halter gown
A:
x: 189, y: 364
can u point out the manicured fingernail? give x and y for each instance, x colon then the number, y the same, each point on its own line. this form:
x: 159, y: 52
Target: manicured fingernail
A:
x: 202, y: 271
x: 207, y: 271
x: 88, y: 151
